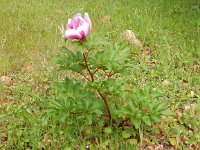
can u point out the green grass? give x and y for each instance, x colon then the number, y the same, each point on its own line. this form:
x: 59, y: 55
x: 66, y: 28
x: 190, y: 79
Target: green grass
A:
x: 29, y: 35
x: 32, y: 26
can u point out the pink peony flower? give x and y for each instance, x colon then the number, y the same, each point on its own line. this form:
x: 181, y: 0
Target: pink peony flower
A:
x: 78, y: 28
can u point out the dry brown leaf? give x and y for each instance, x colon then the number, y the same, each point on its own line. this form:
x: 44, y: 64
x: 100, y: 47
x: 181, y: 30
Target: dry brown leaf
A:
x: 106, y: 19
x: 7, y: 81
x: 149, y: 148
x: 159, y: 147
x: 128, y: 127
x: 28, y: 67
x: 184, y: 139
x: 147, y: 52
x: 130, y: 37
x: 5, y: 98
x: 146, y: 140
x: 196, y: 67
x: 3, y: 137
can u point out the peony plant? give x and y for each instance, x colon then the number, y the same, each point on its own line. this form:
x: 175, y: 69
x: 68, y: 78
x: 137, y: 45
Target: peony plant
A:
x: 99, y: 91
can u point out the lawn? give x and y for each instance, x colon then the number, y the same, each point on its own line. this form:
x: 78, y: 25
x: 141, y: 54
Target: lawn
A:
x: 168, y: 63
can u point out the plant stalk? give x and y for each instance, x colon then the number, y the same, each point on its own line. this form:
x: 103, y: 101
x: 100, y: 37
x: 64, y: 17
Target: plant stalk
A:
x: 104, y: 97
x: 88, y: 69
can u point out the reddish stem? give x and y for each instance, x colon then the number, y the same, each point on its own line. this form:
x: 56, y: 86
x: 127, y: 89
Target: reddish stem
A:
x: 104, y: 97
x: 81, y: 42
x: 88, y: 69
x: 85, y: 77
x: 110, y: 74
x: 95, y: 71
x: 105, y: 72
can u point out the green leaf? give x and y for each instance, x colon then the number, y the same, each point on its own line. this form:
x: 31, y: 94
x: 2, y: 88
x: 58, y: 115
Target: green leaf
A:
x: 96, y: 106
x: 133, y: 142
x: 152, y: 104
x: 125, y: 72
x: 55, y: 103
x: 66, y: 103
x: 89, y: 119
x: 79, y: 56
x: 77, y: 68
x: 51, y: 110
x: 132, y: 108
x: 146, y: 120
x: 161, y: 106
x: 68, y: 52
x: 63, y: 68
x: 57, y: 59
x: 136, y: 122
x: 126, y: 134
x: 69, y: 83
x: 101, y: 123
x: 108, y: 130
x: 63, y: 116
x: 89, y: 131
x: 156, y: 117
x: 105, y: 144
x: 88, y: 103
x: 167, y: 112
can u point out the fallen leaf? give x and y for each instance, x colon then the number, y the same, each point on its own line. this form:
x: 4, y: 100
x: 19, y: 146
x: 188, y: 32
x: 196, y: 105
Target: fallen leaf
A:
x: 106, y: 19
x: 147, y: 52
x: 184, y: 139
x: 127, y: 127
x: 196, y: 67
x: 3, y: 137
x: 149, y: 148
x: 130, y: 37
x: 159, y: 147
x: 146, y: 140
x: 28, y: 67
x: 185, y: 81
x: 5, y: 98
x: 7, y: 81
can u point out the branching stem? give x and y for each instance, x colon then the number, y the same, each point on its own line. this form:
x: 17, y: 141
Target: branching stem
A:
x: 104, y: 97
x: 95, y: 71
x: 85, y: 77
x: 88, y: 69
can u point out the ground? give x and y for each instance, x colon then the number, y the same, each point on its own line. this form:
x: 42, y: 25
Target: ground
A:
x: 169, y: 62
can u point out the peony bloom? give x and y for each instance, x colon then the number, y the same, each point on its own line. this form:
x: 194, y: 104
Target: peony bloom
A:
x: 78, y: 28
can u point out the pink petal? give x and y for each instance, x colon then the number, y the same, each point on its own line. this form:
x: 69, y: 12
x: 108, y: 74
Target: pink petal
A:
x: 70, y: 24
x: 77, y: 22
x: 84, y: 30
x: 87, y: 19
x: 78, y: 28
x: 72, y: 34
x: 77, y: 15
